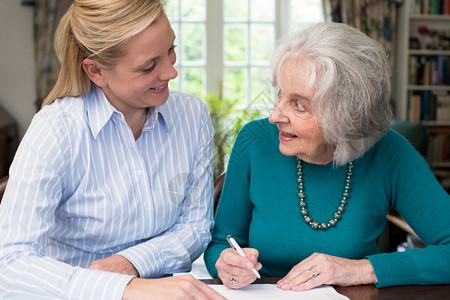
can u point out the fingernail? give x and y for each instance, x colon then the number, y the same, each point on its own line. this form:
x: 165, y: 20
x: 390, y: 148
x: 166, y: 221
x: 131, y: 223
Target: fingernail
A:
x: 249, y: 265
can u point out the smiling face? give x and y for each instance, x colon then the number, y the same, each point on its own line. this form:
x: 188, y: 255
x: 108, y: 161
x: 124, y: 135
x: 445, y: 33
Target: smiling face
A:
x: 140, y: 78
x: 299, y: 132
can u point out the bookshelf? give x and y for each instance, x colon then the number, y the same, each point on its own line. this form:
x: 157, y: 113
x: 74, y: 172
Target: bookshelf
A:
x: 421, y: 76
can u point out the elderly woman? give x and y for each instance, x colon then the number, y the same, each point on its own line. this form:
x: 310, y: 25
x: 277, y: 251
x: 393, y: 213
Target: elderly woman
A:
x: 307, y: 191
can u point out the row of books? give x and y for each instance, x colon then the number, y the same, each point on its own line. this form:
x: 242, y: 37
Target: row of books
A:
x: 428, y: 106
x: 430, y: 7
x: 429, y: 70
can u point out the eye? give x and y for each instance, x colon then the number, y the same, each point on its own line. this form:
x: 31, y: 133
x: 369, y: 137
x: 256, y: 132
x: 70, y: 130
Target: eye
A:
x: 299, y: 106
x: 149, y: 69
x: 172, y: 48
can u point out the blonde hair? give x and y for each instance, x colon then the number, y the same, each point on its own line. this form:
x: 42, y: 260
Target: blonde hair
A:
x: 96, y: 29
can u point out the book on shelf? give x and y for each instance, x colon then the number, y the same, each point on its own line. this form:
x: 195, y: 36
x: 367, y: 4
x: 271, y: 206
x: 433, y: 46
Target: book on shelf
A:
x: 443, y: 107
x: 430, y: 7
x: 428, y: 106
x: 429, y: 70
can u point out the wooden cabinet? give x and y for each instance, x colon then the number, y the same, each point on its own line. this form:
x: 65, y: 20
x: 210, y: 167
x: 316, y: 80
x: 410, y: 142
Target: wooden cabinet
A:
x: 8, y: 141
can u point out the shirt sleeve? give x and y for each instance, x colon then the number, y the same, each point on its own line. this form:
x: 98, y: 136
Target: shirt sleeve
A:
x: 174, y: 250
x: 425, y: 205
x: 26, y: 214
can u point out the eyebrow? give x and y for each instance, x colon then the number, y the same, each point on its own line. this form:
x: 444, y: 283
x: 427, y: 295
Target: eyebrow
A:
x: 300, y: 96
x: 150, y: 60
x: 295, y: 95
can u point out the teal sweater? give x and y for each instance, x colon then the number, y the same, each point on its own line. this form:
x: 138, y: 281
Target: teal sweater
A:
x: 259, y: 208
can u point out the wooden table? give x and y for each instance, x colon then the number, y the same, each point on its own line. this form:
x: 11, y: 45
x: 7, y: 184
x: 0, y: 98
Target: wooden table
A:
x: 370, y: 292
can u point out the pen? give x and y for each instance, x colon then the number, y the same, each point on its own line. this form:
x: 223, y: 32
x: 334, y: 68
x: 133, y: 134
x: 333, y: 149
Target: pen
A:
x: 239, y: 250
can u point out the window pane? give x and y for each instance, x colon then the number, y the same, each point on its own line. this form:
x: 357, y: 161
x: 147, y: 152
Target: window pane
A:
x: 262, y: 10
x: 235, y: 85
x: 235, y: 42
x: 193, y: 42
x: 174, y: 84
x: 262, y: 42
x: 172, y: 10
x: 262, y: 90
x: 193, y: 9
x: 306, y: 11
x: 235, y: 9
x: 193, y: 81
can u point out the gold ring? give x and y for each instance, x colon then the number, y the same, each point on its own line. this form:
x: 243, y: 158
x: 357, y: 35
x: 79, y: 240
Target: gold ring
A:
x: 232, y: 281
x: 313, y: 273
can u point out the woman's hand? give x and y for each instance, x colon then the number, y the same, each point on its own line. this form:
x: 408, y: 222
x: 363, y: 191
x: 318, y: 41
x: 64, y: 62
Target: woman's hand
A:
x: 115, y: 264
x: 319, y: 269
x: 177, y: 287
x: 234, y: 270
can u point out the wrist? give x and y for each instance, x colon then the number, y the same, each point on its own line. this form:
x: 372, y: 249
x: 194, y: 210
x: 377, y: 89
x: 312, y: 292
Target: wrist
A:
x: 367, y: 272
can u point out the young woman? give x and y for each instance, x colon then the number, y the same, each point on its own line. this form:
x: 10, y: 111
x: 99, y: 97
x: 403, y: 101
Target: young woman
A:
x: 112, y: 183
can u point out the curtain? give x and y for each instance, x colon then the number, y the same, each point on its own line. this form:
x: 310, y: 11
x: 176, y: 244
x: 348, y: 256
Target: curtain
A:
x: 376, y: 18
x: 47, y: 14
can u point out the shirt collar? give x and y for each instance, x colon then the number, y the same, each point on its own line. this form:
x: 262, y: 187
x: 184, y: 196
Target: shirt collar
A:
x: 99, y: 111
x: 160, y: 113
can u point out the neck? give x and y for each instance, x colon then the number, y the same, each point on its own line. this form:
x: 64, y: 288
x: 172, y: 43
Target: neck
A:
x: 136, y: 122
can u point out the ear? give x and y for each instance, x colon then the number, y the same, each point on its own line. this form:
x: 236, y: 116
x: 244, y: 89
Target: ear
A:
x: 94, y: 72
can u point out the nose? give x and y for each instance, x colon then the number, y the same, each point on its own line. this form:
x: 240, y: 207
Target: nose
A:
x: 168, y: 70
x: 172, y: 73
x: 278, y: 115
x: 168, y: 73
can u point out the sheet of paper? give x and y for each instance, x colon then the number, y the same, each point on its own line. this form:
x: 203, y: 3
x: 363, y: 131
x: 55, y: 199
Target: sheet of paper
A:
x: 270, y: 291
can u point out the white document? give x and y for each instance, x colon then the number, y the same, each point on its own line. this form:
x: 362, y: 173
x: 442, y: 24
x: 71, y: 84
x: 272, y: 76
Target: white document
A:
x: 272, y: 292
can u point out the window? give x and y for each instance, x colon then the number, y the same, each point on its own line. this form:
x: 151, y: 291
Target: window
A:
x: 224, y: 46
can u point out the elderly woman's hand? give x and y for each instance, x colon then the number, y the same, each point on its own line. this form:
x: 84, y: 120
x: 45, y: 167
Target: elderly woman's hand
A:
x: 319, y: 269
x: 234, y: 270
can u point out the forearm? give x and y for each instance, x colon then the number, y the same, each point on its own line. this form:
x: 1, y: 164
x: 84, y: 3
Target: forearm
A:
x: 42, y: 277
x: 430, y: 265
x: 167, y: 253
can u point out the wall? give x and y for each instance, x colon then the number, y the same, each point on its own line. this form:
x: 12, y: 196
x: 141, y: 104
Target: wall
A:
x: 17, y: 85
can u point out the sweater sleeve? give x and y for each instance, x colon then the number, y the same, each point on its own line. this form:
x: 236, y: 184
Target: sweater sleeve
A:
x: 425, y: 205
x: 234, y: 203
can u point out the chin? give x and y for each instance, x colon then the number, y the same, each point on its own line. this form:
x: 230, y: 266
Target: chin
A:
x: 286, y: 152
x: 158, y: 100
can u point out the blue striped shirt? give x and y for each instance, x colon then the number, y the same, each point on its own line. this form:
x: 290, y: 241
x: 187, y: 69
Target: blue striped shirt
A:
x: 81, y: 188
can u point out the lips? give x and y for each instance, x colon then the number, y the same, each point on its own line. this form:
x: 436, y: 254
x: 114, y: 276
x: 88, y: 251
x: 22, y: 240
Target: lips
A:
x: 286, y: 137
x: 159, y: 89
x: 287, y: 134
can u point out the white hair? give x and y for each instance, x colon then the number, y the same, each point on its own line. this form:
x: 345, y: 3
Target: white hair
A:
x: 350, y: 73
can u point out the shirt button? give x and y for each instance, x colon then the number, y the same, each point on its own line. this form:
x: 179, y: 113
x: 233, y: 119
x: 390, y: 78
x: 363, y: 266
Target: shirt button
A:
x: 145, y: 204
x: 139, y: 172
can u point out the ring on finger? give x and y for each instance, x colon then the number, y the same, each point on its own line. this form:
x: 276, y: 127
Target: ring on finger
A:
x: 233, y: 281
x: 313, y: 273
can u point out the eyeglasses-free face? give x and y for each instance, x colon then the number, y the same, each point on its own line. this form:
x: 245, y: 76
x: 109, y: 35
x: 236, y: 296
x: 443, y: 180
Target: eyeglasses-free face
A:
x: 299, y: 132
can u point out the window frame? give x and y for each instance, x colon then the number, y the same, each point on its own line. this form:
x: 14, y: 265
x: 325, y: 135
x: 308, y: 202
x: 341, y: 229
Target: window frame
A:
x: 214, y: 44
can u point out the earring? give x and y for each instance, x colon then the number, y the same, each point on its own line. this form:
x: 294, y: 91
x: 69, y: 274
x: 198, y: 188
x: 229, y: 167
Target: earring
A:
x: 103, y: 83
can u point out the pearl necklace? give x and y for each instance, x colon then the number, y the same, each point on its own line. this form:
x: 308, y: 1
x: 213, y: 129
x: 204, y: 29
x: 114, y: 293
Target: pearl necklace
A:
x: 340, y: 209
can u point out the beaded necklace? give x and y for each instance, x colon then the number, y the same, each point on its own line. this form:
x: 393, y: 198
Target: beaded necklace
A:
x: 302, y: 203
